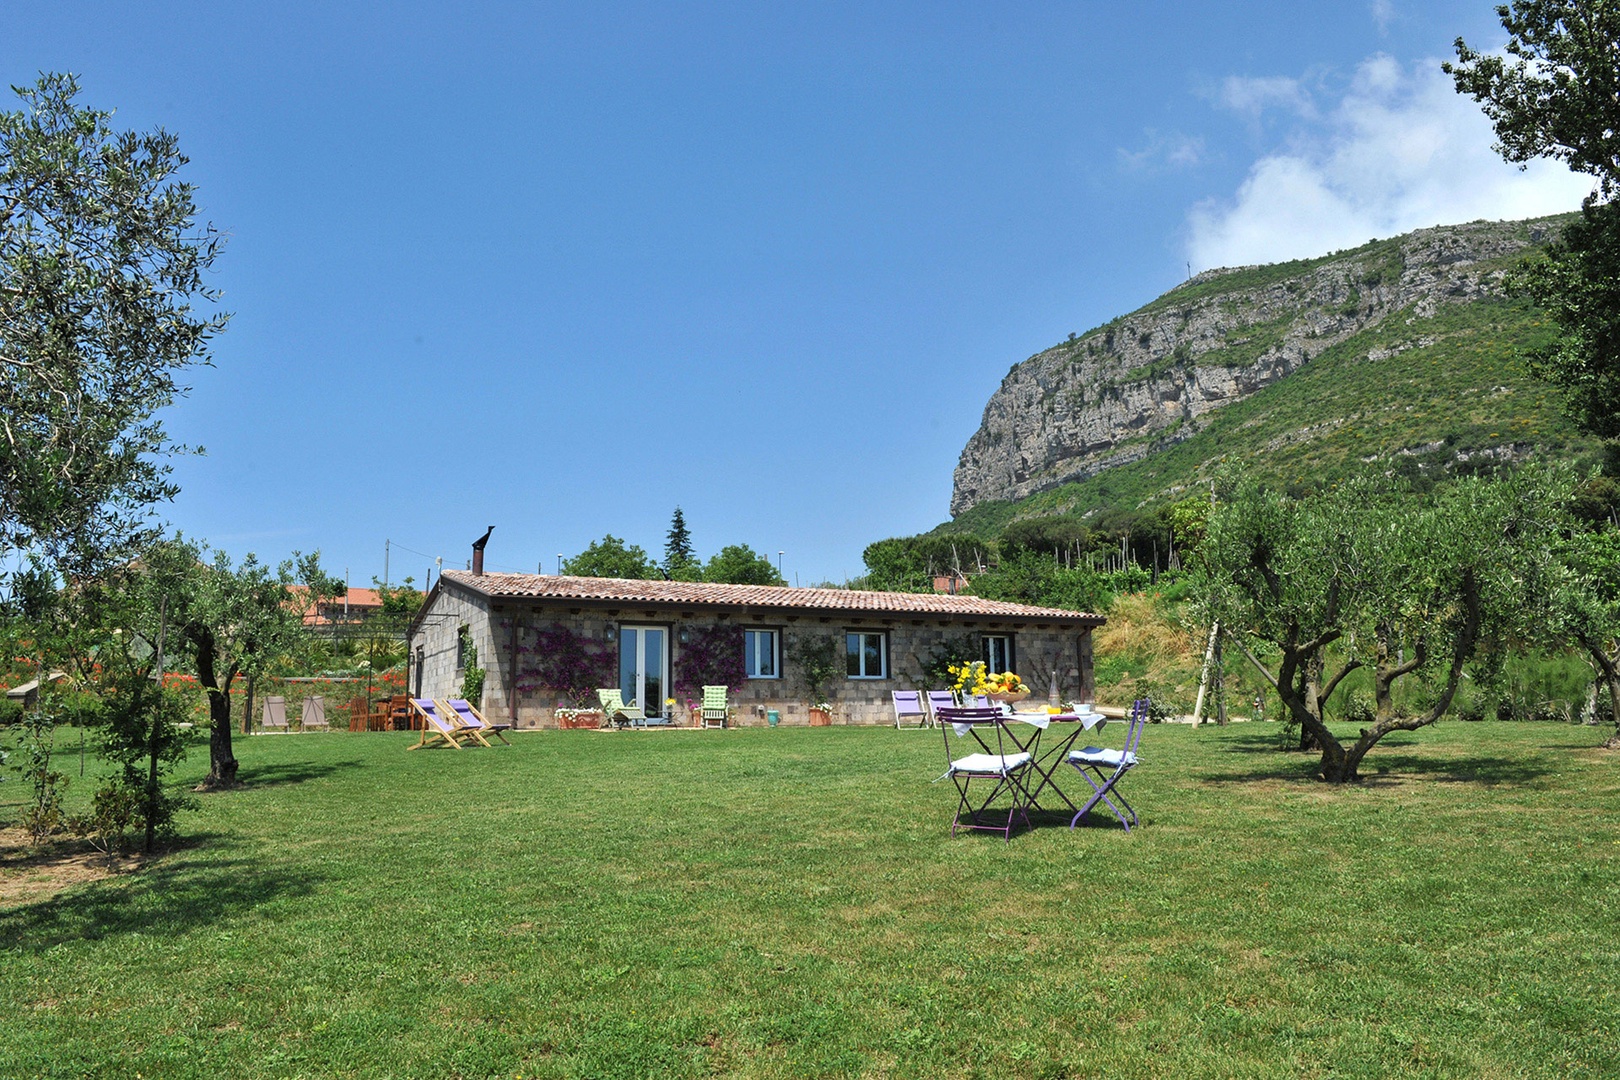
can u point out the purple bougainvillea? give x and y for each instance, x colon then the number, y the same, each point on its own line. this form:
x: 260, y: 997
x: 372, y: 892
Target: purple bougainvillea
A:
x: 712, y: 656
x: 564, y: 661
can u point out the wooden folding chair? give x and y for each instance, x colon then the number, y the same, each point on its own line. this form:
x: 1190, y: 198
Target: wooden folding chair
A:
x: 1102, y: 768
x: 438, y: 727
x: 908, y: 706
x: 468, y: 714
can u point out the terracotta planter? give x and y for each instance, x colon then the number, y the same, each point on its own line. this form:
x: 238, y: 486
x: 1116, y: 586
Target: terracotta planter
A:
x: 820, y: 718
x: 581, y: 721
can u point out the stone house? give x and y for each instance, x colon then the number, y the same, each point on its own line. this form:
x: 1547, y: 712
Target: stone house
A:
x: 654, y: 634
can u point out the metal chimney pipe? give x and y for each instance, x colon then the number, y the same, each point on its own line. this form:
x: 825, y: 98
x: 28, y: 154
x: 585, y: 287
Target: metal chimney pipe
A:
x: 478, y: 552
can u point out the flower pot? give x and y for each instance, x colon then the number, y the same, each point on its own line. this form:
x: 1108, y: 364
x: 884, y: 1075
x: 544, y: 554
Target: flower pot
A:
x: 570, y: 719
x: 820, y: 718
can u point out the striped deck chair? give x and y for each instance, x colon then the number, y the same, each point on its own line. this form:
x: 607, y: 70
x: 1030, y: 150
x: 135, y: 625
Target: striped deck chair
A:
x: 437, y: 727
x: 618, y: 713
x: 468, y: 714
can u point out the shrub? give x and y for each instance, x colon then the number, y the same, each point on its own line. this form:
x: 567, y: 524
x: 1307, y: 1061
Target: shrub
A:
x: 711, y: 656
x: 563, y: 661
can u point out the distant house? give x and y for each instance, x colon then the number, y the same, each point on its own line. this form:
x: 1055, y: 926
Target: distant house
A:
x: 356, y: 605
x: 883, y: 640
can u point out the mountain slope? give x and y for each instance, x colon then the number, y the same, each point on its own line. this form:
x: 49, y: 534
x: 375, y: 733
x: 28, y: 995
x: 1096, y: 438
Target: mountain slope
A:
x: 1403, y: 350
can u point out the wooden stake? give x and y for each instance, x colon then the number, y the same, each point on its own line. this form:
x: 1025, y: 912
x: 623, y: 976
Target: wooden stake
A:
x: 1203, y: 677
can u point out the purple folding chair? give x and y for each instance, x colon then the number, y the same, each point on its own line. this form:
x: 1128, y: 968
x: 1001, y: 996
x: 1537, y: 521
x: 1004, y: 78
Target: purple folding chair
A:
x: 1002, y: 768
x: 468, y: 714
x: 908, y: 706
x: 940, y: 699
x: 1103, y: 768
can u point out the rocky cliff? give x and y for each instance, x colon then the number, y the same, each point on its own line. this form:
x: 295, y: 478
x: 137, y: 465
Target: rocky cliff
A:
x: 1148, y: 379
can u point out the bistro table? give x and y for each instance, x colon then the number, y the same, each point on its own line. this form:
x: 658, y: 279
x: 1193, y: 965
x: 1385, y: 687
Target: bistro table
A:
x: 1044, y: 761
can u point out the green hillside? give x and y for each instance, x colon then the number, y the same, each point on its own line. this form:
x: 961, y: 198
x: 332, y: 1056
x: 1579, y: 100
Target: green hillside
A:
x: 1429, y: 396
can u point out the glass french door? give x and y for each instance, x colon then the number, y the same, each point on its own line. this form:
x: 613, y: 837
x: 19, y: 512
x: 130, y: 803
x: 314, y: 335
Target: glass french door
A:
x: 644, y: 666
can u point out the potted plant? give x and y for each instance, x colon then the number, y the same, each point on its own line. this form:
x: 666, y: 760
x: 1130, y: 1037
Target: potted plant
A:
x: 816, y: 657
x: 581, y: 718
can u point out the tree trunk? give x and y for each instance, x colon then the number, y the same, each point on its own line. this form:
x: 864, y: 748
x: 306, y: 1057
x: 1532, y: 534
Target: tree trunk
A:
x: 153, y: 790
x: 247, y: 706
x: 1608, y: 667
x: 221, y: 762
x: 1388, y: 667
x: 1342, y: 768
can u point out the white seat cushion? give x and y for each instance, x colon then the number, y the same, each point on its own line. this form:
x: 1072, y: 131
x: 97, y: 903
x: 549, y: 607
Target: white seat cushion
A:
x: 993, y: 764
x: 1092, y: 755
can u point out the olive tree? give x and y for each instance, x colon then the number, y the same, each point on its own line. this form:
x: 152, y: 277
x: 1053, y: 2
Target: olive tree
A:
x: 1370, y: 576
x: 1589, y: 607
x: 232, y: 619
x: 101, y: 281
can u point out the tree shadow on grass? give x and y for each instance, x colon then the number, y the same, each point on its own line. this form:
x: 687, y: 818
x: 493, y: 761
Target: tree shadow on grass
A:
x: 294, y: 773
x: 1388, y: 769
x: 164, y: 899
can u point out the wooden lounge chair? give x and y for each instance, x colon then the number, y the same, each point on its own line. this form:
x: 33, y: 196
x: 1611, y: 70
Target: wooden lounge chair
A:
x: 440, y: 727
x: 463, y: 710
x: 716, y: 710
x: 618, y: 713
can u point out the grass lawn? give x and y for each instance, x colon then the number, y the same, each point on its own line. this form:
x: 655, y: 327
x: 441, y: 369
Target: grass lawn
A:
x: 790, y: 903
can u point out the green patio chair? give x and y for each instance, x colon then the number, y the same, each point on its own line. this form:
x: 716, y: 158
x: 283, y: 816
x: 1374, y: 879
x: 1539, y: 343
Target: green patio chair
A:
x: 716, y: 711
x: 618, y: 713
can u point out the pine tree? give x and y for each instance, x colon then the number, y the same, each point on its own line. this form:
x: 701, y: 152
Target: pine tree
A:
x: 680, y: 561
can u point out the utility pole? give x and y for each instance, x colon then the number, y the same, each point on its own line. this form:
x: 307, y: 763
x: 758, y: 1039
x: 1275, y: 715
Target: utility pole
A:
x: 386, y: 545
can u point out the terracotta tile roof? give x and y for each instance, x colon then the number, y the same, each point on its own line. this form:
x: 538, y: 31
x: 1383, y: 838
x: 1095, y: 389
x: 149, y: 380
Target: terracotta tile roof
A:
x: 695, y: 594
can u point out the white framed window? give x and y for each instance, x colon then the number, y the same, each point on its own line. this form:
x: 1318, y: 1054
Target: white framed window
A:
x: 762, y: 653
x: 866, y: 654
x: 998, y: 652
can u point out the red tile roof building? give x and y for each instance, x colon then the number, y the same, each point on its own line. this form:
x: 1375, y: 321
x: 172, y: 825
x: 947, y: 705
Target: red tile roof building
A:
x: 886, y: 640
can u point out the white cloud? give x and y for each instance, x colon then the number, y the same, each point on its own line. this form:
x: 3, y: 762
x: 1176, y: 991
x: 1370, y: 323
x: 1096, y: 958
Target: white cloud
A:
x: 1175, y: 151
x: 1383, y: 13
x: 1253, y: 96
x: 1401, y: 150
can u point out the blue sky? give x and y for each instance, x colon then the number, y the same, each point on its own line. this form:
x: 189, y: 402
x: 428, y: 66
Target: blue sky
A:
x: 561, y: 268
